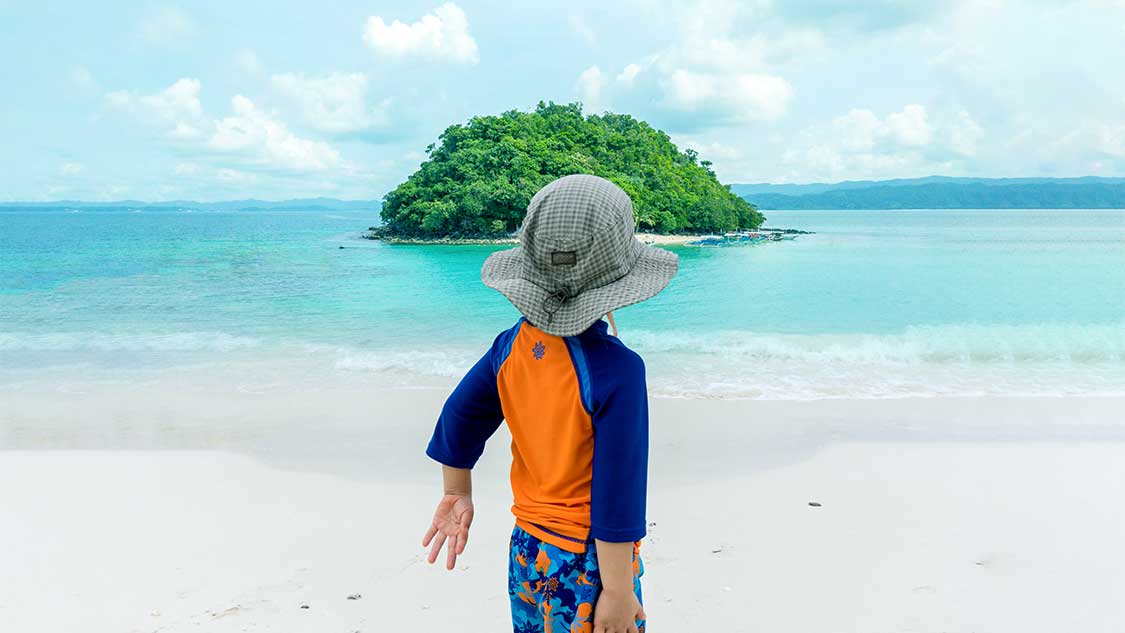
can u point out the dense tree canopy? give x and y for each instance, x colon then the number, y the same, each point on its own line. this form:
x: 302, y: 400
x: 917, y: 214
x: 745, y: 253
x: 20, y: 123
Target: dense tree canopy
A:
x: 479, y: 177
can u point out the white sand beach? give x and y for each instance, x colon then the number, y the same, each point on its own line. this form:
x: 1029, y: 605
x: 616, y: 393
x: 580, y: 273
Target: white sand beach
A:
x: 666, y: 239
x: 161, y: 507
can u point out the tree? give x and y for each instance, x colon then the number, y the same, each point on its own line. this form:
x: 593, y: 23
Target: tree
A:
x: 480, y: 176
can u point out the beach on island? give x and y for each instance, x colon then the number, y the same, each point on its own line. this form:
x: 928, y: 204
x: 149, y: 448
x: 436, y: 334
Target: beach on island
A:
x: 291, y: 508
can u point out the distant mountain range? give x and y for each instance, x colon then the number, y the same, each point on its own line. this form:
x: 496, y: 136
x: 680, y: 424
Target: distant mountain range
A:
x: 942, y: 192
x: 297, y: 204
x: 932, y: 192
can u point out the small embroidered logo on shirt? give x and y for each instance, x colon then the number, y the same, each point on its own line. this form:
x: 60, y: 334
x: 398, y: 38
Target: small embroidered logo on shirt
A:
x: 538, y: 350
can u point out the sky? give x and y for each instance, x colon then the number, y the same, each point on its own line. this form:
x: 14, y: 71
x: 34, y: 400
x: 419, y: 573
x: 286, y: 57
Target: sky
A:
x: 217, y: 100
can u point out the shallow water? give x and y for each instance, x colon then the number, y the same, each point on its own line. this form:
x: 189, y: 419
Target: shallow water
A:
x: 875, y: 304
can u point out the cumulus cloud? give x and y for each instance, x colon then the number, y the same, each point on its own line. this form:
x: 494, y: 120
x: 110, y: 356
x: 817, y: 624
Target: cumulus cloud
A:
x: 861, y: 144
x: 740, y: 96
x: 266, y: 141
x: 249, y: 135
x: 590, y: 85
x: 336, y: 103
x: 717, y: 71
x: 441, y: 35
x: 628, y: 75
x: 689, y: 98
x: 860, y: 129
x: 176, y: 109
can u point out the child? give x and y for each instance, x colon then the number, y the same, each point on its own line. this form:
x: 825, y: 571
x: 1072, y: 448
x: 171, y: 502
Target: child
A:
x: 576, y: 404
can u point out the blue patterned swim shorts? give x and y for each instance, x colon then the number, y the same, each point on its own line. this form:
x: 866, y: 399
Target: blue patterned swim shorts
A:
x: 553, y: 590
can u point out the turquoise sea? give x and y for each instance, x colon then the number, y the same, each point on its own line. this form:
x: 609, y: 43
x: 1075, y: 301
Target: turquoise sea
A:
x: 876, y: 304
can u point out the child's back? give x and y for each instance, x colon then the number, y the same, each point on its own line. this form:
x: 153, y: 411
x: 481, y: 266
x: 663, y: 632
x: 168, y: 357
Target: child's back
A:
x: 576, y: 404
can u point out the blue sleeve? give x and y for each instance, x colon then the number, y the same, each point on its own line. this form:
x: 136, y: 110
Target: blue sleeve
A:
x: 472, y: 413
x: 620, y: 417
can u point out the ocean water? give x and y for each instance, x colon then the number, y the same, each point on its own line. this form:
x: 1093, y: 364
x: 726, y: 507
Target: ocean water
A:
x: 876, y: 304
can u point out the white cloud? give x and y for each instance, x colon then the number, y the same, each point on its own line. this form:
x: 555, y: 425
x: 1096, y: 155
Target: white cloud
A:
x: 249, y: 135
x: 909, y: 127
x: 628, y: 75
x: 697, y: 98
x: 963, y: 134
x: 441, y: 35
x: 589, y: 85
x: 336, y: 103
x: 860, y: 145
x: 740, y: 97
x: 166, y: 26
x: 264, y: 140
x: 176, y: 109
x: 721, y: 68
x: 861, y: 129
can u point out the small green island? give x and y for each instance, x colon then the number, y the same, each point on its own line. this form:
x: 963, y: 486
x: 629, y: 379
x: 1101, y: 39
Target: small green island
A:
x: 478, y: 178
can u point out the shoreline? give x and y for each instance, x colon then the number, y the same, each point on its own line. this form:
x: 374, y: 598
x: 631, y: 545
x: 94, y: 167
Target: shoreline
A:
x: 656, y: 239
x: 647, y: 238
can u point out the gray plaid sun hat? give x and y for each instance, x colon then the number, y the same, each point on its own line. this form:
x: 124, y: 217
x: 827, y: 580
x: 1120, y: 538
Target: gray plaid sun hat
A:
x: 578, y: 258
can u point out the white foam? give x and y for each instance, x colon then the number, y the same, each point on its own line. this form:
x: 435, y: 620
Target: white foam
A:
x: 444, y: 364
x: 969, y: 343
x: 101, y: 342
x: 951, y: 360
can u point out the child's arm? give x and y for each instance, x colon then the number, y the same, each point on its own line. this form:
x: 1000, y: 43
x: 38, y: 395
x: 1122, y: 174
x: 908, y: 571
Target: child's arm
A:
x: 453, y: 516
x: 618, y: 608
x: 470, y: 416
x: 618, y: 490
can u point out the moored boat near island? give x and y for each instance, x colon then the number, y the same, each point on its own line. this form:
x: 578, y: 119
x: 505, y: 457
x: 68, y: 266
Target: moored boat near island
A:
x: 736, y: 238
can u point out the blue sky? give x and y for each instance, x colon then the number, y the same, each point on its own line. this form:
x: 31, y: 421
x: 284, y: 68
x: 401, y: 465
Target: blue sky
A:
x: 216, y: 100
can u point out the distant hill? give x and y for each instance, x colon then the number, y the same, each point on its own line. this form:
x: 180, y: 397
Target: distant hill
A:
x: 297, y: 204
x: 940, y: 192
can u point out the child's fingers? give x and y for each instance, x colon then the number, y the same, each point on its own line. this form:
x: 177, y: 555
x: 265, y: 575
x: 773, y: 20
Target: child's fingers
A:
x: 429, y: 535
x: 436, y: 549
x: 641, y: 613
x: 462, y: 539
x: 451, y: 553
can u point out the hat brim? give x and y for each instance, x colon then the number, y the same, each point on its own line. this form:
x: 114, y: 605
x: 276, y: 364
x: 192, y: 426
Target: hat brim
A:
x: 503, y: 271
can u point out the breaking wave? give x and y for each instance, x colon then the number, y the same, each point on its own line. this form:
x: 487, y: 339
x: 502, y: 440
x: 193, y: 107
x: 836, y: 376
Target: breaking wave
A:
x: 99, y: 342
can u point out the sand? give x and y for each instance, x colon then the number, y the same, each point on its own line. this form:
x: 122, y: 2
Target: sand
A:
x: 661, y: 239
x: 145, y: 508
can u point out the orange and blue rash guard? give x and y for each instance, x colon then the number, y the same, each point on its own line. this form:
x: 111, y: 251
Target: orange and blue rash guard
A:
x: 577, y: 408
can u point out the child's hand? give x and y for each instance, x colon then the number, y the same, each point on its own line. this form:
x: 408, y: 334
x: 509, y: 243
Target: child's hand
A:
x: 452, y: 519
x: 617, y: 612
